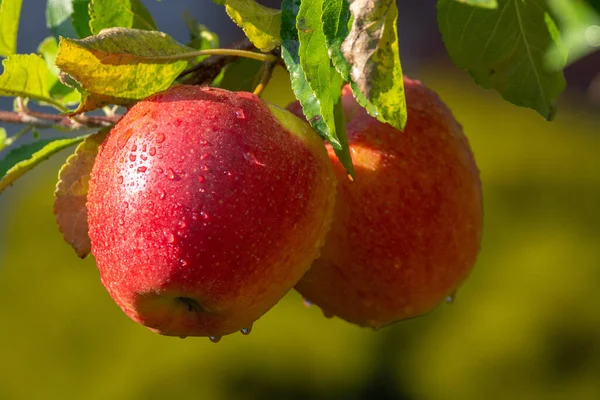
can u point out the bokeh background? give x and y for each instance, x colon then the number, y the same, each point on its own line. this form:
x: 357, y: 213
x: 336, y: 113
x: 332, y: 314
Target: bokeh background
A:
x: 526, y: 325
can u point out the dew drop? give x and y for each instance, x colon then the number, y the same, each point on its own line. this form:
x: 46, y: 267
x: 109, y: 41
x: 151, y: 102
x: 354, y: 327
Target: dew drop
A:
x: 170, y: 173
x: 144, y: 148
x: 143, y: 157
x: 121, y: 221
x: 203, y: 142
x: 183, y: 262
x: 201, y: 178
x: 246, y: 331
x: 132, y: 157
x: 239, y: 113
x: 120, y: 179
x: 160, y: 170
x: 250, y: 157
x: 182, y: 224
x: 204, y: 156
x: 204, y: 215
x: 170, y: 238
x: 307, y: 303
x: 215, y: 339
x: 125, y: 204
x: 160, y: 138
x: 152, y: 151
x: 134, y: 147
x: 161, y: 194
x: 142, y: 169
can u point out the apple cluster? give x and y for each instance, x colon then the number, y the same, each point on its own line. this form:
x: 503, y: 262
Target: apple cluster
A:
x: 206, y: 207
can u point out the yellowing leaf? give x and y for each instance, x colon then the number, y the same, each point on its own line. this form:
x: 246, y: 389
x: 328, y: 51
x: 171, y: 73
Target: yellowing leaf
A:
x: 126, y: 64
x: 25, y: 75
x: 119, y: 13
x: 261, y: 24
x: 64, y: 94
x: 23, y: 159
x: 71, y: 194
x: 10, y: 11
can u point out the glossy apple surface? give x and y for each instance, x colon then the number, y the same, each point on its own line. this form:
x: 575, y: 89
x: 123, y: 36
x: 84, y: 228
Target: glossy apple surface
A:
x: 407, y: 232
x: 205, y: 207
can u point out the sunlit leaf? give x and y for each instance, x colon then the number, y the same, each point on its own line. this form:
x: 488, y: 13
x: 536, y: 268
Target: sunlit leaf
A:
x: 505, y: 49
x: 125, y: 64
x: 119, y: 13
x: 25, y: 75
x: 71, y: 193
x: 10, y: 11
x: 64, y: 94
x: 24, y: 158
x: 315, y: 82
x: 260, y: 24
x: 367, y: 55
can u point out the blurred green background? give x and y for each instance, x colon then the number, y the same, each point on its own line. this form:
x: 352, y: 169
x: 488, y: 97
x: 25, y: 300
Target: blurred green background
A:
x: 526, y: 325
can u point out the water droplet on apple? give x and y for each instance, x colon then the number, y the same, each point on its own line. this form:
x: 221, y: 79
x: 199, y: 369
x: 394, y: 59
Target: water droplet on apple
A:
x: 201, y: 178
x: 203, y: 214
x: 120, y: 179
x: 215, y: 339
x: 203, y: 142
x: 239, y: 113
x: 143, y: 157
x: 183, y: 262
x: 246, y: 331
x: 450, y: 298
x: 132, y: 157
x: 170, y: 173
x: 204, y: 156
x: 182, y: 224
x: 170, y: 237
x: 142, y: 169
x: 134, y: 147
x: 152, y: 151
x: 160, y: 138
x: 144, y: 148
x: 307, y: 303
x: 250, y: 157
x: 121, y: 221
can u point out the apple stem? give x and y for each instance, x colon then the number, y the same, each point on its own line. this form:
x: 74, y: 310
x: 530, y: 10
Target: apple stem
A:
x: 267, y: 71
x: 265, y: 57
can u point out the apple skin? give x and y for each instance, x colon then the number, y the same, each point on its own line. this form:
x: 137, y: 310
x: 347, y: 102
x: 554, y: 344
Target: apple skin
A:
x: 205, y: 208
x: 407, y: 231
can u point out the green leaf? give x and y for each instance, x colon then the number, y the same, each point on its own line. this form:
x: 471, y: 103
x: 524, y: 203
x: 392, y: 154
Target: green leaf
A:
x: 119, y: 13
x: 315, y: 82
x: 10, y: 11
x: 200, y: 36
x: 2, y: 138
x: 58, y: 18
x: 24, y: 158
x: 580, y: 32
x: 504, y: 49
x: 480, y: 3
x: 80, y: 18
x: 260, y: 24
x: 122, y: 64
x: 62, y: 93
x: 367, y: 55
x: 25, y: 75
x: 71, y: 193
x: 242, y: 75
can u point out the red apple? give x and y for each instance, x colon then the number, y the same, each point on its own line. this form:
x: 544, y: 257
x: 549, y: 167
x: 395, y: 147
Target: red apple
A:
x: 407, y: 231
x: 205, y: 208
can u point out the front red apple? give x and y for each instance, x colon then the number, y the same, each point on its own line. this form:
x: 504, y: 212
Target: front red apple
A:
x: 205, y: 208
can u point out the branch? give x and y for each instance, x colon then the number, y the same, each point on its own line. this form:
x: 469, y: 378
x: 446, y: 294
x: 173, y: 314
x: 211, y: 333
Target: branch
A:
x: 45, y: 121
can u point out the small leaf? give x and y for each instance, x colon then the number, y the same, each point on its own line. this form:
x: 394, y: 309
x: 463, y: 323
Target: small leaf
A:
x: 241, y: 75
x: 25, y: 75
x: 2, y: 138
x: 64, y: 94
x: 10, y: 11
x: 480, y: 3
x: 260, y: 24
x: 505, y: 49
x: 371, y: 53
x: 24, y: 158
x: 58, y: 18
x: 80, y: 18
x: 119, y: 13
x: 122, y: 64
x: 71, y: 193
x: 200, y: 36
x: 315, y: 82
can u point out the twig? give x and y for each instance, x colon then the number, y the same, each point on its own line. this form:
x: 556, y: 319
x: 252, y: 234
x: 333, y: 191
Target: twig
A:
x: 45, y: 121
